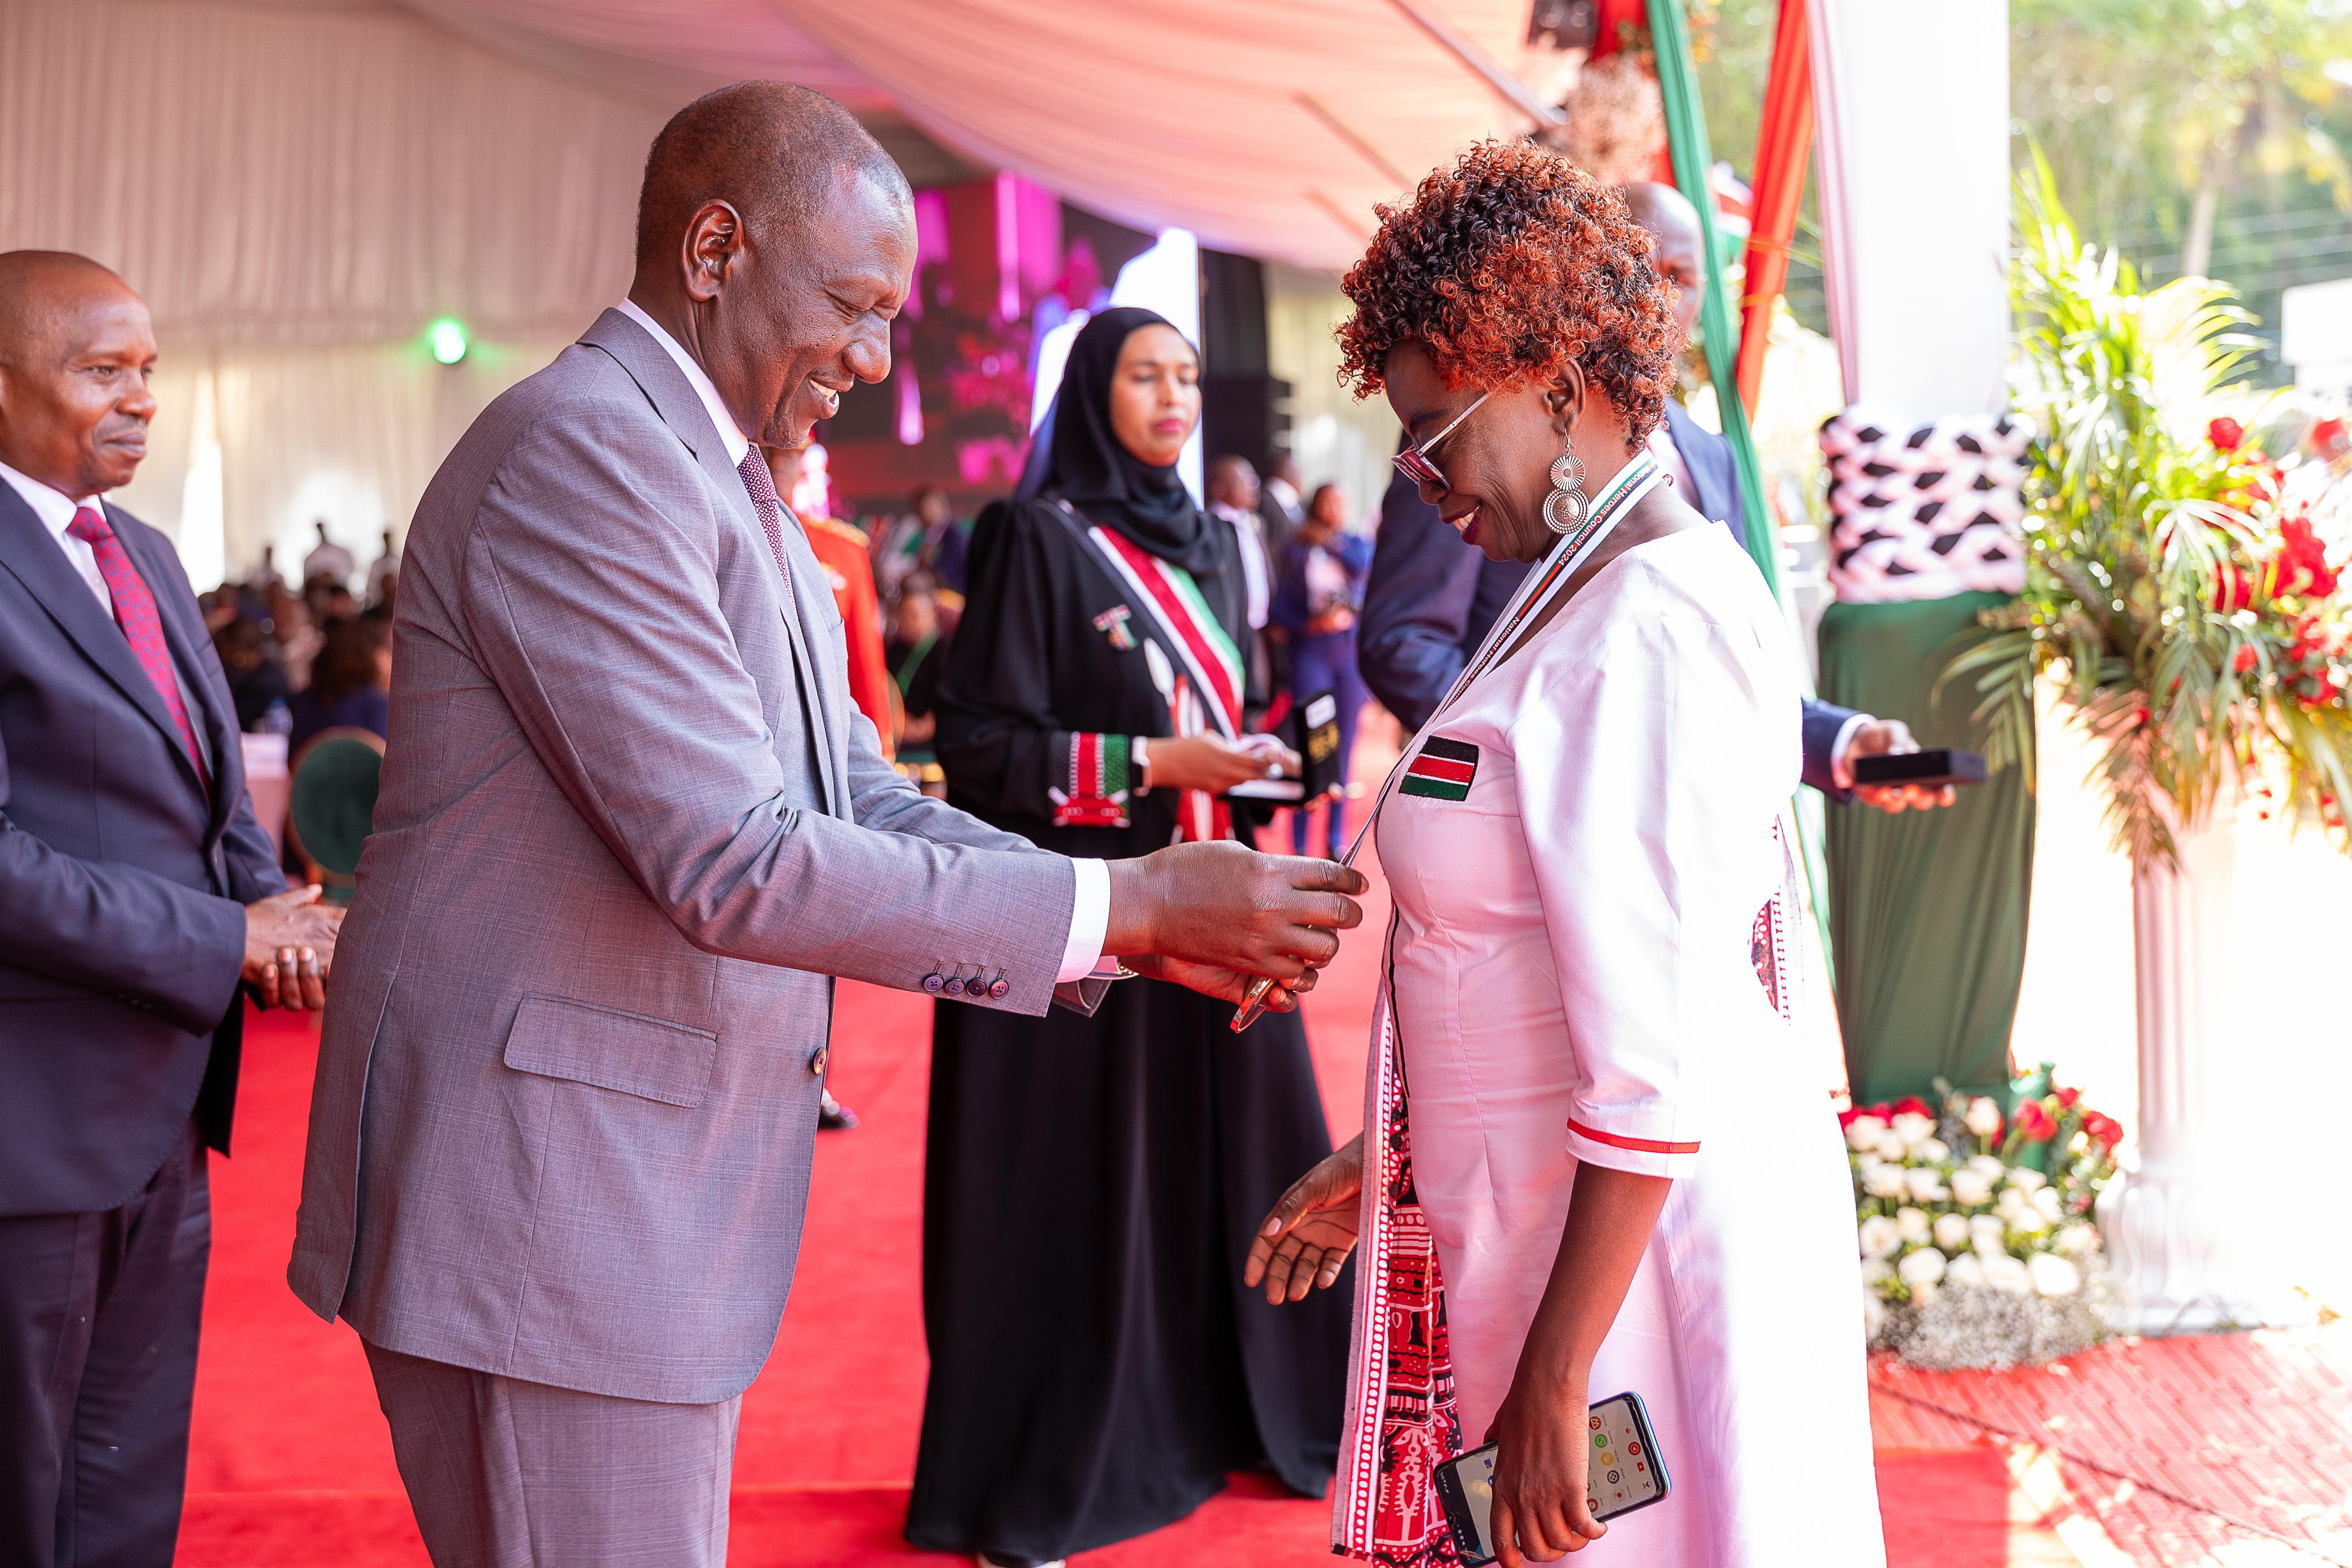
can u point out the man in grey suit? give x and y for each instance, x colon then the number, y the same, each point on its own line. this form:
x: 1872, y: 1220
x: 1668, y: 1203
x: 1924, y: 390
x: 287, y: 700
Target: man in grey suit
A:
x: 630, y: 826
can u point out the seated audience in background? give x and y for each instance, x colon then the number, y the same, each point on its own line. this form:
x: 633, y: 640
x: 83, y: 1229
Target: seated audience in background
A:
x: 1318, y: 590
x: 351, y: 682
x: 384, y: 577
x: 929, y: 537
x: 914, y: 653
x: 296, y: 632
x: 328, y: 560
x: 257, y: 681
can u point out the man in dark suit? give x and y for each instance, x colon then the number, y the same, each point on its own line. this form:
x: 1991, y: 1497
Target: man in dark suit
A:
x: 1431, y: 598
x: 138, y: 893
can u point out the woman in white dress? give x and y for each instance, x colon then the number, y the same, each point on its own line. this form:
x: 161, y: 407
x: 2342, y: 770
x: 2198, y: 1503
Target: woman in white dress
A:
x: 1601, y: 1162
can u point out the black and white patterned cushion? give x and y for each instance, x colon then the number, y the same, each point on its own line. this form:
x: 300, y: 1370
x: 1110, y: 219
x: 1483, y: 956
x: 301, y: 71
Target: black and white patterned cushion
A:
x: 1925, y: 512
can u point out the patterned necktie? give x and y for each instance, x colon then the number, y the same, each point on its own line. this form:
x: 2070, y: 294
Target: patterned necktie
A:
x: 142, y: 627
x: 762, y: 486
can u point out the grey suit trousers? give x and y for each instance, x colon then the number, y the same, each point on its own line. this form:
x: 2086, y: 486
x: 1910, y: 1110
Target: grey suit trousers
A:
x: 507, y: 1474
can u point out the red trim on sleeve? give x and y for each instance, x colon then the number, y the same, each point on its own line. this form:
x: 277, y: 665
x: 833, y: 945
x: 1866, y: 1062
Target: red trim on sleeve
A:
x: 1639, y: 1145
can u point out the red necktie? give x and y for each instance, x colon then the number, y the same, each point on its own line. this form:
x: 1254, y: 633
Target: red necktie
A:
x: 762, y: 486
x: 134, y: 611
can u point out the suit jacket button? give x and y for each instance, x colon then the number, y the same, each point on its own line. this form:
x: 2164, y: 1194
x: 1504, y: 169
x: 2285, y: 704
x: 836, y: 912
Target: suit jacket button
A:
x: 954, y: 985
x: 818, y: 1062
x: 1000, y: 989
x: 934, y: 984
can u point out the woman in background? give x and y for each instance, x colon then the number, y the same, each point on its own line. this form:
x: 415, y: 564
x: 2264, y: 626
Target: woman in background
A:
x: 351, y: 682
x: 1318, y: 590
x: 1097, y: 1368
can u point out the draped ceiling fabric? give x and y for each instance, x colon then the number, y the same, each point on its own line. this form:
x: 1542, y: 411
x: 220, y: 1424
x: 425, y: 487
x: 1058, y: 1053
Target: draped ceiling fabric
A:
x: 299, y: 187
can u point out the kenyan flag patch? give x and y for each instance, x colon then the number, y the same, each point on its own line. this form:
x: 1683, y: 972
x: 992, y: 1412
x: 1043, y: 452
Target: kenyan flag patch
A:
x: 1442, y: 771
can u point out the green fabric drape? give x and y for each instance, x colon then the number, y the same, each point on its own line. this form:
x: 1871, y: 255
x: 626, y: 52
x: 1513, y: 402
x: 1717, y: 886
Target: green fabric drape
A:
x: 1927, y: 909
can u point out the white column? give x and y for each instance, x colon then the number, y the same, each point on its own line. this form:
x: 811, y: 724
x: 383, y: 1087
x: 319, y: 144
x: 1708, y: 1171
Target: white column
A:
x: 2169, y: 1224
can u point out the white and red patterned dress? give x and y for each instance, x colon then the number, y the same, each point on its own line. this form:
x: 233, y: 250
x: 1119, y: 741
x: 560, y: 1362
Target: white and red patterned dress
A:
x: 1591, y: 962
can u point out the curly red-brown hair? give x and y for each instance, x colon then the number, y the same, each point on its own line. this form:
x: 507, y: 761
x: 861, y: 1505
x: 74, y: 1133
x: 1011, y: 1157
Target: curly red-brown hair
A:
x: 1507, y: 267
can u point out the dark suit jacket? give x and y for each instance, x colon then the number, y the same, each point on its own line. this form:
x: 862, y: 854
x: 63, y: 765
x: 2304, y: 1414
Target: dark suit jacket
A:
x: 1431, y: 598
x: 123, y: 887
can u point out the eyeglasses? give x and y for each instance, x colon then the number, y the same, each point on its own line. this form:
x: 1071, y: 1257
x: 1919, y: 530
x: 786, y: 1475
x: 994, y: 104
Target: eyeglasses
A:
x: 1414, y: 461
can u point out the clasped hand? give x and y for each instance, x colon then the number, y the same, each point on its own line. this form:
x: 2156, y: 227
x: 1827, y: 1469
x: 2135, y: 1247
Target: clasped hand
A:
x: 289, y: 946
x: 1217, y: 917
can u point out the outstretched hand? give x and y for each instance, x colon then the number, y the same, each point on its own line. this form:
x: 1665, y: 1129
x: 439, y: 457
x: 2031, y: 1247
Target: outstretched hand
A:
x: 1224, y: 906
x: 1310, y: 1230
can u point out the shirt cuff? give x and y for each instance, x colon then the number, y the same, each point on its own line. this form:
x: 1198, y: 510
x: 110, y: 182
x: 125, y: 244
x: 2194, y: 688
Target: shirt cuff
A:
x: 1841, y: 770
x: 1089, y: 921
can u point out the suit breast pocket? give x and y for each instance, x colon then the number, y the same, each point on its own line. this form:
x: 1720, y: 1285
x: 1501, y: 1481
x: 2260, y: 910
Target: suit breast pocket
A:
x: 647, y: 1057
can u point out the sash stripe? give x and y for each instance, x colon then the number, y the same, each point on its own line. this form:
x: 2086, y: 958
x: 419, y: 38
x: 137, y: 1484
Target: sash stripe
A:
x: 1215, y: 663
x: 1639, y: 1145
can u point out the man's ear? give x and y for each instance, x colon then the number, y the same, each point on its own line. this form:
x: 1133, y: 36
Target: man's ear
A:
x: 713, y: 236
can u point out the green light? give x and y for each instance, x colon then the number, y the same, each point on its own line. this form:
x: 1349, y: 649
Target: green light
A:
x: 447, y: 338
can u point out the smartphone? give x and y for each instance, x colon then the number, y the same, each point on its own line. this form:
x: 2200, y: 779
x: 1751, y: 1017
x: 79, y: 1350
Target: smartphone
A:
x: 1624, y: 1472
x: 1937, y: 765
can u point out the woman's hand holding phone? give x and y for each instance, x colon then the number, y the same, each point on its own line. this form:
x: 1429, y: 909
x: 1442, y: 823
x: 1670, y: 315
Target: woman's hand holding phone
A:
x: 1310, y: 1230
x: 1541, y: 1467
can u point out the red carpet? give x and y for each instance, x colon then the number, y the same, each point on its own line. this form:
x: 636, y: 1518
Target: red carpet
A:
x: 291, y: 1465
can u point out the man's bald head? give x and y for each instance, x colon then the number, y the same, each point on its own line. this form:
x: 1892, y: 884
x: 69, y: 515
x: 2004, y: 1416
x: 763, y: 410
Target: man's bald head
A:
x: 1681, y: 255
x: 776, y: 153
x: 76, y: 349
x: 1232, y: 481
x: 40, y: 290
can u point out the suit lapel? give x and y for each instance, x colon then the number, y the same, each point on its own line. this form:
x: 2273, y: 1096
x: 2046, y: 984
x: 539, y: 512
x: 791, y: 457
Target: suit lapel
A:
x: 28, y: 551
x: 1707, y: 456
x: 184, y: 633
x: 680, y: 407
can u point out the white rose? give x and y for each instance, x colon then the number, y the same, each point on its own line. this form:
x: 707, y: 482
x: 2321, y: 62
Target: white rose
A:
x: 2026, y: 1179
x: 1892, y: 1149
x: 1966, y: 1269
x: 1868, y: 1160
x: 1873, y: 1315
x: 1970, y: 1189
x: 1989, y: 1166
x: 1935, y: 1151
x: 2003, y: 1272
x: 2012, y: 1204
x: 1912, y: 1222
x: 1923, y: 1267
x: 1924, y: 1185
x: 1863, y: 1132
x: 1984, y: 1117
x: 1879, y: 1236
x: 1913, y: 1128
x: 2047, y: 1203
x: 2052, y: 1275
x: 2078, y: 1238
x: 1874, y: 1269
x: 2029, y: 1219
x: 1885, y: 1181
x: 1983, y: 1224
x: 1922, y: 1294
x: 1952, y: 1229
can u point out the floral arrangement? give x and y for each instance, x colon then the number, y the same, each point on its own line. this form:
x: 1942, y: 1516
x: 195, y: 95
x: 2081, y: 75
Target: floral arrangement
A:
x: 1977, y: 1247
x: 2175, y: 579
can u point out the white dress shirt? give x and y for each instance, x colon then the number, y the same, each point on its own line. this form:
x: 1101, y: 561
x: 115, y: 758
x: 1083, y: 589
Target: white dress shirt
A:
x: 1257, y: 572
x: 56, y: 509
x: 1090, y: 910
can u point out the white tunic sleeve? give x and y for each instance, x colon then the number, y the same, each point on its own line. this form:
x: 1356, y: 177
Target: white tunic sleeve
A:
x: 1647, y: 772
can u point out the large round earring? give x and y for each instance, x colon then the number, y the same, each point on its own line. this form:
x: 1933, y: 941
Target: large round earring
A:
x: 1566, y: 506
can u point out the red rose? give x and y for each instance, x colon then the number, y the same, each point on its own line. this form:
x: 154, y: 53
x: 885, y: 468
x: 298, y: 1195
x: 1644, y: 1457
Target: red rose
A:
x: 1846, y: 1117
x: 2226, y: 434
x: 2247, y: 658
x: 2330, y: 439
x: 2102, y: 1130
x: 1914, y: 1105
x: 2232, y: 589
x: 2302, y: 565
x: 2067, y: 1098
x: 2034, y: 1122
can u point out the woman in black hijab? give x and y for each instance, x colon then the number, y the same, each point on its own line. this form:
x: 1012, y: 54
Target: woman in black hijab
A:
x: 1093, y: 1183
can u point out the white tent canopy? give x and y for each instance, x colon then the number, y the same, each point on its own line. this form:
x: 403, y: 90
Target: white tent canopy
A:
x: 298, y: 187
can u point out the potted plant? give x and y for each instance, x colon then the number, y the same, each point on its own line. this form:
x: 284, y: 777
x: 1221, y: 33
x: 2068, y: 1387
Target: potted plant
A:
x: 2178, y: 601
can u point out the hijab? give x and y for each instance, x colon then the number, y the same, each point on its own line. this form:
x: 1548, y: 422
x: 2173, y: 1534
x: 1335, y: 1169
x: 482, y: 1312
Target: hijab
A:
x: 1090, y: 467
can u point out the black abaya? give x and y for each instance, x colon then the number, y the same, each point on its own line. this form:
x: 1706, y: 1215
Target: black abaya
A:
x: 1093, y: 1183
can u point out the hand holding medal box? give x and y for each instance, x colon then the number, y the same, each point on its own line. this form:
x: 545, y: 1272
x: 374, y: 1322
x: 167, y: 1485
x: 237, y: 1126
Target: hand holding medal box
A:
x: 1434, y: 767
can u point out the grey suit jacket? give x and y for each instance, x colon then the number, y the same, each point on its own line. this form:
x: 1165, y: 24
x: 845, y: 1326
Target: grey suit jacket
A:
x: 630, y: 824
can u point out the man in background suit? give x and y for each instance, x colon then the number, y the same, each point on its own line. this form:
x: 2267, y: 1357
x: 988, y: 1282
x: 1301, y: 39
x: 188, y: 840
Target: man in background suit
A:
x: 1431, y: 598
x: 136, y: 893
x: 631, y: 826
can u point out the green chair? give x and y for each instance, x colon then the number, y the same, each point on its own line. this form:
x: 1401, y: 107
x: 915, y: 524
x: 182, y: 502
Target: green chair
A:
x: 334, y: 805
